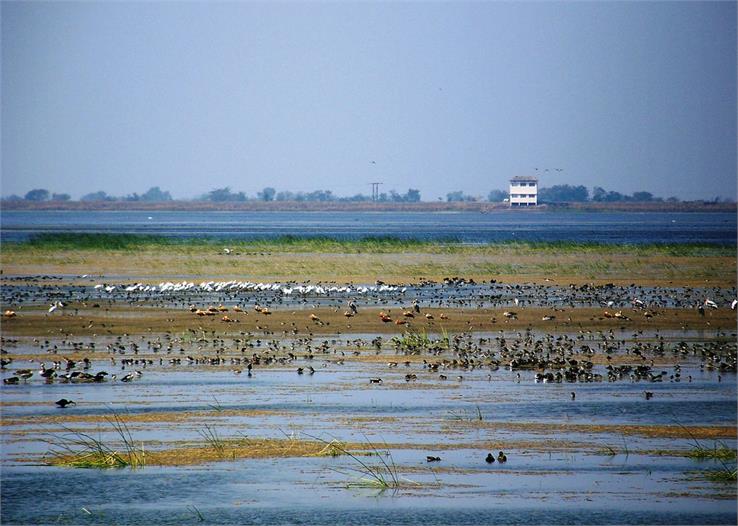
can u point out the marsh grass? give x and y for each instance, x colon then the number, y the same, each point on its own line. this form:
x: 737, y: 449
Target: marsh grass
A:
x: 371, y: 244
x: 381, y: 476
x: 467, y: 416
x: 727, y: 474
x: 196, y: 512
x: 718, y: 451
x: 414, y: 342
x: 211, y: 437
x: 391, y: 259
x: 216, y: 406
x: 721, y: 452
x: 81, y: 450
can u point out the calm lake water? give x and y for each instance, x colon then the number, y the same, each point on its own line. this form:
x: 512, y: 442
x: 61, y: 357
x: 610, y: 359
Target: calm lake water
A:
x: 469, y: 227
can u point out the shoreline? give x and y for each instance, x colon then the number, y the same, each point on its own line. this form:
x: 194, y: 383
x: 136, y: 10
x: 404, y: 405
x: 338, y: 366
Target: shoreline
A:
x: 337, y: 206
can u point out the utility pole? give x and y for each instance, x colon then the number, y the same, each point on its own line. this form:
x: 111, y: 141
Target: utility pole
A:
x: 375, y: 191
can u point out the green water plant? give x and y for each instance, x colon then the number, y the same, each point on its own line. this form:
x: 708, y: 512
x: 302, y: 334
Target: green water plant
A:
x: 82, y: 450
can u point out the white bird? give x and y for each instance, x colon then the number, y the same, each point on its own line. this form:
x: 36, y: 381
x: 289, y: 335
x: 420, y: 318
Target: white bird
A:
x: 56, y: 305
x: 711, y: 304
x: 734, y: 304
x: 226, y: 251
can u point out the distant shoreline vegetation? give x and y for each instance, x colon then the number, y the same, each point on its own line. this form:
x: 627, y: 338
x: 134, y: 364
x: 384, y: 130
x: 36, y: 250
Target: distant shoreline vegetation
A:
x: 557, y: 197
x: 372, y: 244
x: 342, y: 206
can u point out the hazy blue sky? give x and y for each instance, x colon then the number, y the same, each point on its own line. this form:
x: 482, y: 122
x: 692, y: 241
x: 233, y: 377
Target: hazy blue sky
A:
x: 443, y: 96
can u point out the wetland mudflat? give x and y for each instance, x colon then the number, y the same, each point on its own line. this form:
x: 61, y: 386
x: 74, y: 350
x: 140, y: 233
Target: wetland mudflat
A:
x: 613, y: 400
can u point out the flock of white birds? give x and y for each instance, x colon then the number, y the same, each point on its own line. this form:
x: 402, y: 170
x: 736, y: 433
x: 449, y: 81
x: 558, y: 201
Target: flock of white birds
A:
x: 233, y: 285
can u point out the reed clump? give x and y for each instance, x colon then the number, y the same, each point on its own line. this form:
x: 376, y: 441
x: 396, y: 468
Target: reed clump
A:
x: 82, y: 450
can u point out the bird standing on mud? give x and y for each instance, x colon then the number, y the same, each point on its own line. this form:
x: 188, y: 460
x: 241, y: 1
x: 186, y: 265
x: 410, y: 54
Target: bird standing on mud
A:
x: 64, y: 403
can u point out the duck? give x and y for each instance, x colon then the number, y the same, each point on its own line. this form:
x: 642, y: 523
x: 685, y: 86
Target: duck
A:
x: 501, y: 457
x: 490, y: 458
x: 430, y: 458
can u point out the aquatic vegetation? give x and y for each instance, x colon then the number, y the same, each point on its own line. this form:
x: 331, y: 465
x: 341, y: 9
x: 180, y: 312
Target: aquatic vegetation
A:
x: 467, y: 416
x: 211, y: 437
x: 364, y: 260
x: 81, y: 450
x: 718, y: 451
x: 727, y: 474
x: 414, y: 342
x: 721, y: 452
x: 334, y: 448
x: 198, y: 515
x: 119, y: 241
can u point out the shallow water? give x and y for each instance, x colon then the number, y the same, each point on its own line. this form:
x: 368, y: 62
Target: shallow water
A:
x: 471, y: 227
x: 310, y: 491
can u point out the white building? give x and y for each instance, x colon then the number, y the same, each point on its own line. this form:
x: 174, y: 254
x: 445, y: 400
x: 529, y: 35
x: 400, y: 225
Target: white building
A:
x: 523, y: 191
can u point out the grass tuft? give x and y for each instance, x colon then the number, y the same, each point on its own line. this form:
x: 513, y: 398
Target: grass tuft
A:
x: 80, y: 450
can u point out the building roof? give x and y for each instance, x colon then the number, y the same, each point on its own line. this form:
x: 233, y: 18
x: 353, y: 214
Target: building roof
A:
x: 529, y: 179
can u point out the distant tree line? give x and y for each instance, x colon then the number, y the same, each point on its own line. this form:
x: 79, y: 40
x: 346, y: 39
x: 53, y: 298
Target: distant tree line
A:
x: 562, y: 193
x: 270, y: 194
x: 152, y: 195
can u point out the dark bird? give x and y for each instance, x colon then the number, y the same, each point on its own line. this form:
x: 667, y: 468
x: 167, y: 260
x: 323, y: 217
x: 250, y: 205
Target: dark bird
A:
x: 649, y: 395
x: 64, y: 403
x: 490, y: 458
x: 501, y: 457
x: 432, y: 459
x: 573, y: 395
x: 11, y: 381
